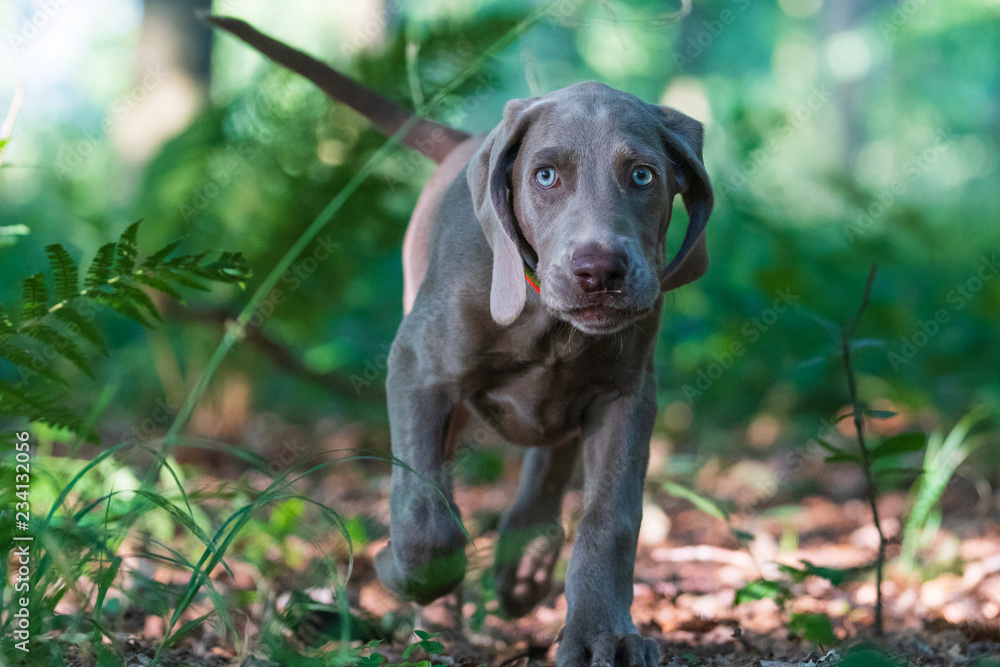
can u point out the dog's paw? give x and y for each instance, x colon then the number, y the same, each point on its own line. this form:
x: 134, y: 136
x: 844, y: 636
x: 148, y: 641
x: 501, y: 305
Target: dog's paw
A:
x: 524, y: 565
x: 607, y: 649
x: 421, y: 577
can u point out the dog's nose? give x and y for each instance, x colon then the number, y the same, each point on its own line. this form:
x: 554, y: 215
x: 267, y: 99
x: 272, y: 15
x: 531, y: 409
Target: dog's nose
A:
x: 598, y: 270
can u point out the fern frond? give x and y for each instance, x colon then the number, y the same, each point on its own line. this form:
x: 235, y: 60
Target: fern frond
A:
x: 125, y: 250
x: 153, y: 261
x: 125, y: 306
x: 44, y: 407
x: 64, y: 272
x: 116, y: 279
x: 100, y: 269
x: 181, y: 279
x: 59, y: 344
x: 230, y: 267
x: 35, y: 296
x: 140, y: 299
x: 82, y: 326
x: 159, y: 284
x: 185, y: 262
x: 29, y: 364
x: 17, y: 397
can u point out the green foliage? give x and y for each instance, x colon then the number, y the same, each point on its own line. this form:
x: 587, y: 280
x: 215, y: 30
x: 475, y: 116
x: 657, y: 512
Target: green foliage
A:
x: 706, y: 505
x: 943, y: 457
x: 836, y: 576
x: 81, y: 520
x: 815, y: 628
x: 373, y: 659
x: 479, y: 466
x: 867, y: 655
x: 426, y: 644
x: 763, y: 589
x: 987, y: 662
x: 59, y: 324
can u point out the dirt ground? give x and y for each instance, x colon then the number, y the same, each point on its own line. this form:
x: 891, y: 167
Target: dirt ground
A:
x: 688, y: 570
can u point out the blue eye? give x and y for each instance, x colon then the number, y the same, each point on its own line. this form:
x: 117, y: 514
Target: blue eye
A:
x: 546, y: 177
x: 642, y: 176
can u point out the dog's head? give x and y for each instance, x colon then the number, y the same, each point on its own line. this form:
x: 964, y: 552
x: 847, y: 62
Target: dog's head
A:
x: 579, y: 185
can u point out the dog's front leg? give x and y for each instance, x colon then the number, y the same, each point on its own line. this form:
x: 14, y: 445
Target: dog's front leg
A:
x: 425, y: 557
x: 599, y: 629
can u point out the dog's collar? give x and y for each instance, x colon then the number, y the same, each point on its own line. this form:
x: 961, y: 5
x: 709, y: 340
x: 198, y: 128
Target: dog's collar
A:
x: 529, y: 257
x: 532, y: 278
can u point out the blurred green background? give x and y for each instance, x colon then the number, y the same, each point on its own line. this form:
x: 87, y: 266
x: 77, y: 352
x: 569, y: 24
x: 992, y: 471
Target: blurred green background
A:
x: 839, y: 134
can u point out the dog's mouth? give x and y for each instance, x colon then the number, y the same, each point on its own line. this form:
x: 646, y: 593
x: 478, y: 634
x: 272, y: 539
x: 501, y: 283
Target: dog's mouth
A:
x: 601, y: 319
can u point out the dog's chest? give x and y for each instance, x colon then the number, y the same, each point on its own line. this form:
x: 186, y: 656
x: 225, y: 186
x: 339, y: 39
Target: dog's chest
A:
x: 543, y: 400
x: 535, y: 406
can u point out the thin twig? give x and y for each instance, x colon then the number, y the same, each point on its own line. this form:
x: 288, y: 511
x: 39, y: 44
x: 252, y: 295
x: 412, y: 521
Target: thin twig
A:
x: 871, y: 483
x: 338, y: 384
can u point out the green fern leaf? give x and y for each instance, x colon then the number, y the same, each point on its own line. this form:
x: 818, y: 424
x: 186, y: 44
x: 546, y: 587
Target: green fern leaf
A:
x: 29, y: 364
x: 35, y: 296
x: 60, y: 344
x: 100, y: 269
x: 125, y: 251
x: 64, y: 272
x: 159, y: 284
x: 82, y: 326
x: 185, y: 262
x: 6, y: 326
x: 230, y: 267
x: 139, y: 298
x: 181, y: 279
x: 158, y: 257
x: 123, y: 305
x: 44, y: 407
x: 15, y: 401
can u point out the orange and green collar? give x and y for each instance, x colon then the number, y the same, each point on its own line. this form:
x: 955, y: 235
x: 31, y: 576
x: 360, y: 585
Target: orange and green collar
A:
x: 532, y: 278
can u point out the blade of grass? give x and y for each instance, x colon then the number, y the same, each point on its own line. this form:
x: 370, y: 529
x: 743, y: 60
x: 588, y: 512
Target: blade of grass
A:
x: 943, y: 457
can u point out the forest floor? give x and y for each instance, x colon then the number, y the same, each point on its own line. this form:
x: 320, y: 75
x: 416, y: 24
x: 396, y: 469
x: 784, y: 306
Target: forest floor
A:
x: 688, y: 571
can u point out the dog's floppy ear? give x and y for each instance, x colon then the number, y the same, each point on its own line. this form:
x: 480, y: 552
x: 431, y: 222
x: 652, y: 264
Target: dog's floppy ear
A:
x: 488, y: 180
x: 683, y: 138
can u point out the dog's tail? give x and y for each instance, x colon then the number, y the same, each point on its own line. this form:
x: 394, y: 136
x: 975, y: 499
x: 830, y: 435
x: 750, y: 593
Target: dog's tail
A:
x: 430, y: 138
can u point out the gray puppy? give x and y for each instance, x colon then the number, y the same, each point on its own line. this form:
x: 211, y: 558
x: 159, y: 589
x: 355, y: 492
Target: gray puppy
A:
x: 535, y: 267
